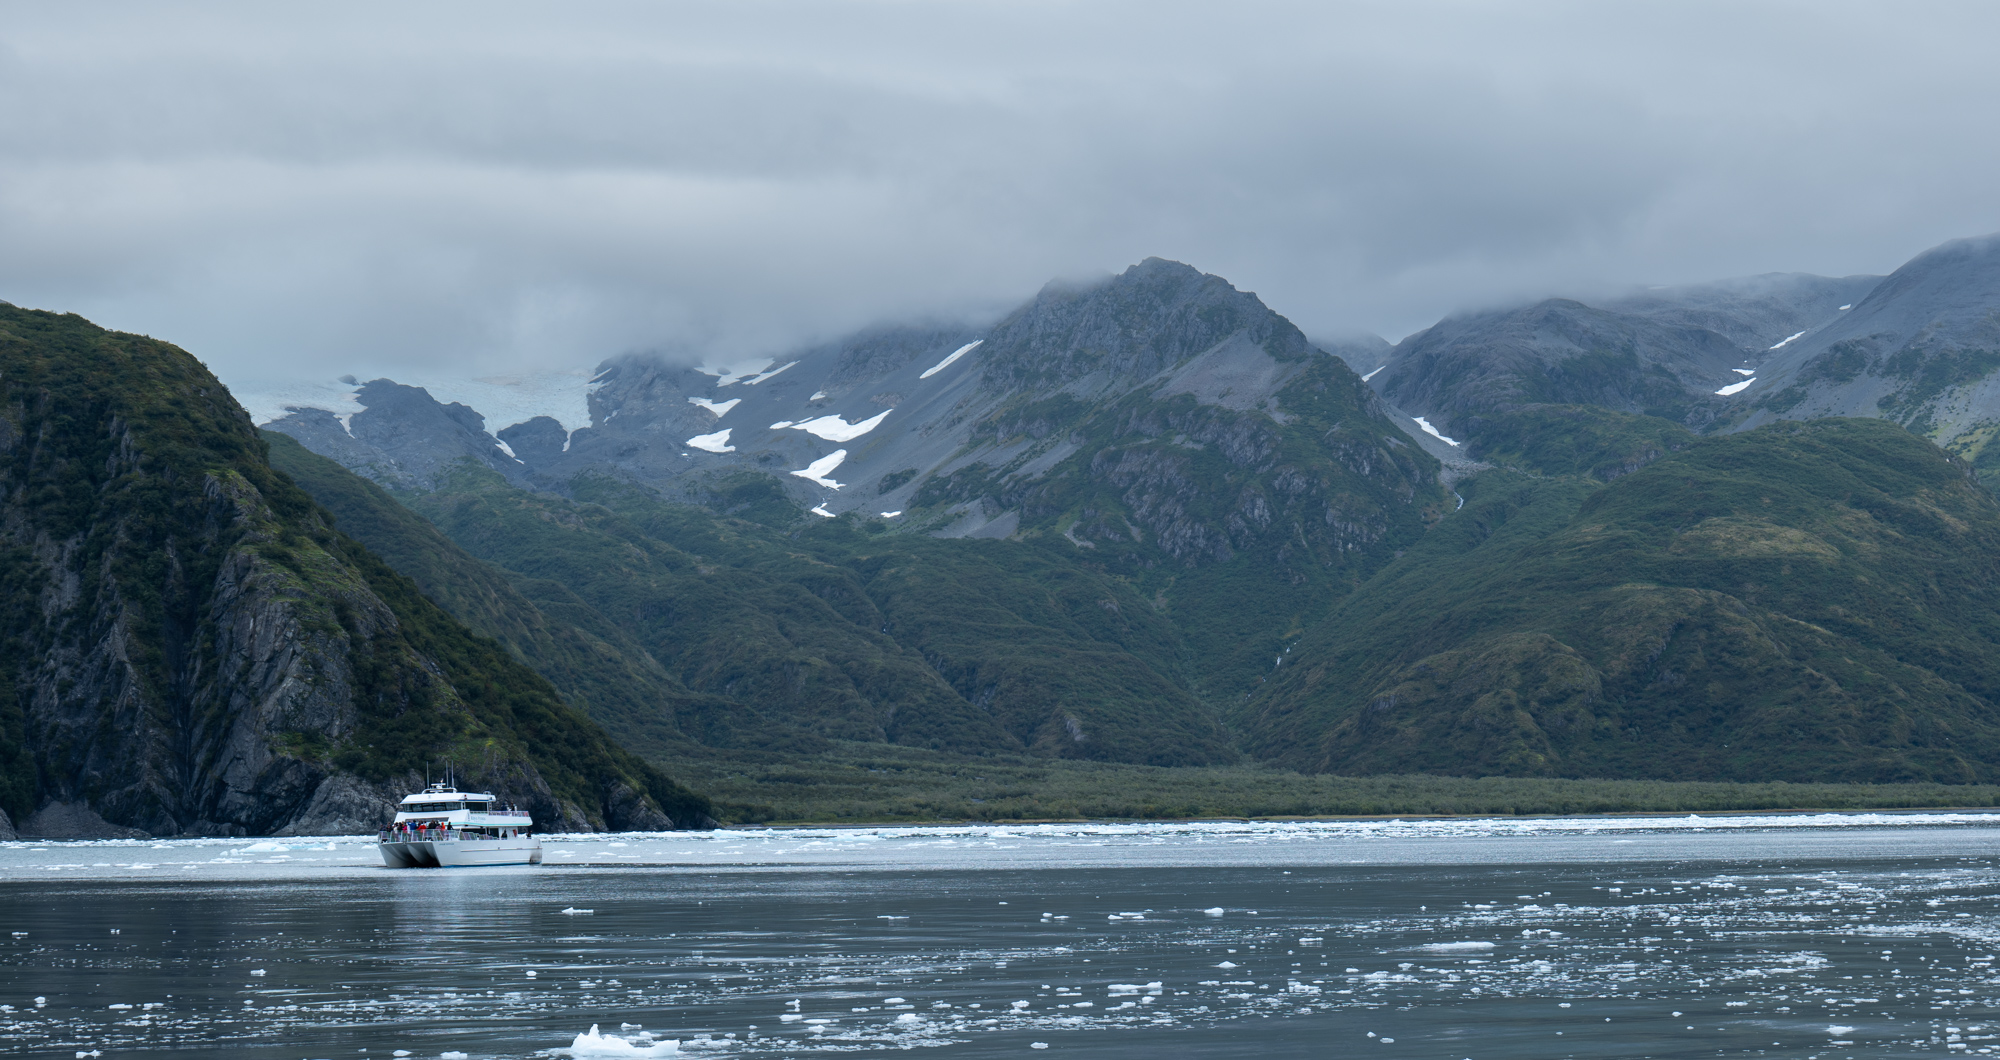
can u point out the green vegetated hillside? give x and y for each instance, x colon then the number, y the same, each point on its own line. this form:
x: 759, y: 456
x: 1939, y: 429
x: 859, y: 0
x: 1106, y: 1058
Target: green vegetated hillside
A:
x: 784, y: 639
x: 1810, y: 602
x: 1805, y: 603
x: 193, y: 647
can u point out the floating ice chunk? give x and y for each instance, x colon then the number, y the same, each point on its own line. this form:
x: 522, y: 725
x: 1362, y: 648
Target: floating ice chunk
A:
x: 1735, y: 388
x: 1744, y: 371
x: 531, y: 973
x: 452, y: 1054
x: 118, y: 1007
x: 835, y: 429
x: 818, y: 470
x: 820, y: 509
x: 256, y: 971
x: 790, y: 1017
x: 592, y: 1043
x: 1038, y: 1045
x: 908, y: 1017
x: 1787, y: 340
x: 941, y: 366
x: 891, y: 515
x: 1212, y: 911
x: 1457, y: 947
x: 1117, y: 989
x: 894, y: 1001
x: 1311, y: 940
x: 1373, y: 374
x: 1433, y: 431
x: 574, y: 911
x: 889, y: 916
x: 1839, y: 1031
x: 1227, y: 964
x: 41, y: 1001
x: 262, y: 848
x: 720, y: 408
x: 1849, y: 305
x: 714, y: 443
x: 1019, y: 1005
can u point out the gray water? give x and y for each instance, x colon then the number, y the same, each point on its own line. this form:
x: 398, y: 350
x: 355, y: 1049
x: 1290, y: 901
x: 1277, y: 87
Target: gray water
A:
x: 1828, y: 936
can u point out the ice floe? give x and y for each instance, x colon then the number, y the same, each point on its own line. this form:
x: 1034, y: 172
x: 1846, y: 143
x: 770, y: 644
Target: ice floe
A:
x: 714, y: 443
x: 947, y: 362
x: 592, y: 1043
x: 818, y: 470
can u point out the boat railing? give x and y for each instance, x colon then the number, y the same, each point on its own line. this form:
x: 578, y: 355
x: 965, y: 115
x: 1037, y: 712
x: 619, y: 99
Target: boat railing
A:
x: 438, y: 835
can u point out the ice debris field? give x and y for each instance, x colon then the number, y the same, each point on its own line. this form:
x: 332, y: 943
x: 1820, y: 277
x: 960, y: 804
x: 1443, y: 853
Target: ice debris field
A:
x: 1810, y: 936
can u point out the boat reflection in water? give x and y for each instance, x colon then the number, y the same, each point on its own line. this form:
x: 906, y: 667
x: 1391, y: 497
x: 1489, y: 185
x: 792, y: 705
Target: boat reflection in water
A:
x: 441, y: 826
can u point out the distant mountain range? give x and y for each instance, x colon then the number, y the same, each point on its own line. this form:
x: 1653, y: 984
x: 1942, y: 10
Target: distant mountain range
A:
x: 1138, y: 520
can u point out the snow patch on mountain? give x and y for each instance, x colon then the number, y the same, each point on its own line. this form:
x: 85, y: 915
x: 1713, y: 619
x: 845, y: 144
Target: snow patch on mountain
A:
x: 818, y: 470
x: 955, y: 355
x: 714, y: 443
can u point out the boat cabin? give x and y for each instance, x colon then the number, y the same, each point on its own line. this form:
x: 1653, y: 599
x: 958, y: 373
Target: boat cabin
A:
x: 443, y: 811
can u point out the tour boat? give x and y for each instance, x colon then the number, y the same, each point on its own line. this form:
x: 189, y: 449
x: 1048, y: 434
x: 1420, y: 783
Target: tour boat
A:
x: 443, y: 826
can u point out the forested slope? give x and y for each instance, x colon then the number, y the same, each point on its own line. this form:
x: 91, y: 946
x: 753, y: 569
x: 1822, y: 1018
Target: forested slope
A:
x: 193, y: 648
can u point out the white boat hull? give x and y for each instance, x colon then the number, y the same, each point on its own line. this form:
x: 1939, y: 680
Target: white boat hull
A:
x: 455, y: 853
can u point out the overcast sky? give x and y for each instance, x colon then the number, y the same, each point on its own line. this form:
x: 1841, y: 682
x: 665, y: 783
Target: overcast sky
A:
x: 315, y: 189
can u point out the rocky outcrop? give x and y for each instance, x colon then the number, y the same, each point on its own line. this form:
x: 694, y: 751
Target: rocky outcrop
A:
x: 198, y: 652
x: 402, y: 437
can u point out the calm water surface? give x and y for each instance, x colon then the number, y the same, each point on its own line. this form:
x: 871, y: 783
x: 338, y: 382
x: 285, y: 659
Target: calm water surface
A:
x: 1827, y: 936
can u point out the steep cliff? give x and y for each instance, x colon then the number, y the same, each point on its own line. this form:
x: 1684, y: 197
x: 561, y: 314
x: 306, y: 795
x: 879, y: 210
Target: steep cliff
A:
x: 193, y: 649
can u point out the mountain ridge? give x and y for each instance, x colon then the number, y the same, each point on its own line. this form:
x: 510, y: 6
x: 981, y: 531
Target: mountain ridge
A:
x: 205, y: 654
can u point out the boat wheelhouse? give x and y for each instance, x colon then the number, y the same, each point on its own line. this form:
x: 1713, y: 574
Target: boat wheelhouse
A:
x: 441, y: 826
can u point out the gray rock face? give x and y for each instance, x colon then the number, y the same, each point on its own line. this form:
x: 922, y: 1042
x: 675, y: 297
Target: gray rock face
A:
x: 1921, y: 349
x: 1556, y: 352
x: 403, y: 438
x: 7, y: 827
x: 74, y: 820
x: 1754, y: 312
x: 1161, y: 328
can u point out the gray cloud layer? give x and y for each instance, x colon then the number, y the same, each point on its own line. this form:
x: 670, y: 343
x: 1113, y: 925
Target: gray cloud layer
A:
x: 458, y: 187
